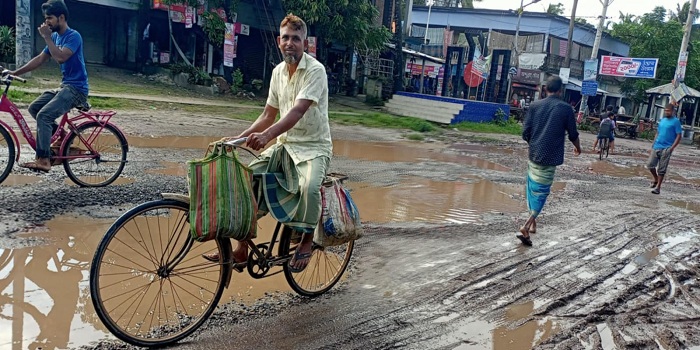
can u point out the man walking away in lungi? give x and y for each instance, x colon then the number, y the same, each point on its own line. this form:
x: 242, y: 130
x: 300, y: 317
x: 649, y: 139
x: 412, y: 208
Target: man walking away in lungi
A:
x: 547, y: 122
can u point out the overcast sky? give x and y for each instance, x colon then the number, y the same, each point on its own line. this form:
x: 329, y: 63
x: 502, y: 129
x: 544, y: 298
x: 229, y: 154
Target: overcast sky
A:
x: 586, y: 8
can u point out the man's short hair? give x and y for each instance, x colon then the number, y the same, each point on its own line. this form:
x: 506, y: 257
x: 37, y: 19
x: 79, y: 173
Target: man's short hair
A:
x: 55, y: 8
x: 554, y: 84
x: 296, y: 23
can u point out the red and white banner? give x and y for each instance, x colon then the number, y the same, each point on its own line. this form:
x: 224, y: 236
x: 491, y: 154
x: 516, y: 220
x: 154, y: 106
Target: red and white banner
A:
x: 312, y: 46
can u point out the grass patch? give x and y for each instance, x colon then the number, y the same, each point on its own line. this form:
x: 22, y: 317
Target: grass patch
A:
x: 415, y: 137
x: 490, y: 128
x: 381, y: 120
x: 17, y: 96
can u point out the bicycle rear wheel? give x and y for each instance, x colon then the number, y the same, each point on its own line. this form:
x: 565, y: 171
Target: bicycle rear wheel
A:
x: 7, y: 154
x: 90, y: 169
x: 601, y: 147
x: 325, y: 269
x: 607, y: 147
x: 148, y: 282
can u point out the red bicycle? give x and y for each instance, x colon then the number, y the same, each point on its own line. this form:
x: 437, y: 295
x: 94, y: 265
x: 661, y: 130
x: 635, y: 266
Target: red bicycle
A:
x: 92, y: 151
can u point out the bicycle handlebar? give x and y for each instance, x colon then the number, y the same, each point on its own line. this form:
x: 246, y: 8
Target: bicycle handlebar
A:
x: 236, y: 142
x: 6, y: 75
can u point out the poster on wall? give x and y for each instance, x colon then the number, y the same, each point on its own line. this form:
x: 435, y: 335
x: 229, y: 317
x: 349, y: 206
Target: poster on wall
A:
x: 312, y: 46
x: 235, y: 46
x: 228, y: 55
x: 229, y: 49
x: 590, y: 69
x: 189, y: 17
x: 441, y: 74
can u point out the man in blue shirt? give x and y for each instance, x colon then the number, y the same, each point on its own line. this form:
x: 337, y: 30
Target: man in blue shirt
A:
x: 547, y: 123
x: 65, y: 46
x: 668, y: 135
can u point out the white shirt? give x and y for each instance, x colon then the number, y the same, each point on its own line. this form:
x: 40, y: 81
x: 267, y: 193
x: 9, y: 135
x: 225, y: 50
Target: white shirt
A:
x: 311, y: 136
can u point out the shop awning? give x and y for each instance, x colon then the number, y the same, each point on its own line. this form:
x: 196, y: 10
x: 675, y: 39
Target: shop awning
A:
x: 575, y: 85
x: 417, y: 54
x: 667, y: 89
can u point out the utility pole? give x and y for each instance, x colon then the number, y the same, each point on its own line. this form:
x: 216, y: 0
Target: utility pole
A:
x: 569, y: 38
x: 594, y: 54
x: 683, y: 54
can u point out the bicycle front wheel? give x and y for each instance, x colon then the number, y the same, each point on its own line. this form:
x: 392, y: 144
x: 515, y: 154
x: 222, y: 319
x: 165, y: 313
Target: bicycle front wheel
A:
x: 7, y: 154
x: 101, y: 163
x: 148, y: 281
x: 325, y: 269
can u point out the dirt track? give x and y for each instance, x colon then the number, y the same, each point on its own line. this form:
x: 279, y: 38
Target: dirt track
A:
x: 613, y: 266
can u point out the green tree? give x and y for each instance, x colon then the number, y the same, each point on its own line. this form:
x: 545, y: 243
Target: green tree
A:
x: 580, y: 20
x: 556, y: 9
x: 651, y: 35
x: 681, y: 14
x: 348, y: 22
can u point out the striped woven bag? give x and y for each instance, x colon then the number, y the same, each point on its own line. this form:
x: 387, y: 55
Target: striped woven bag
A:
x: 222, y: 204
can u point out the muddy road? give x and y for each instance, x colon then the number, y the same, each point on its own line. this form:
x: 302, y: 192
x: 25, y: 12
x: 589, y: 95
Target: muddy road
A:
x: 613, y: 266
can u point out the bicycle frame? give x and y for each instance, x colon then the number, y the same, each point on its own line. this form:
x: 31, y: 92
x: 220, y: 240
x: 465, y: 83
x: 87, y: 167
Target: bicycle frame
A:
x: 8, y: 106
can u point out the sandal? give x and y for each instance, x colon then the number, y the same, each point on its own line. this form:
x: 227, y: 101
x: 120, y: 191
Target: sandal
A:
x: 655, y: 191
x: 653, y: 185
x: 299, y: 256
x: 525, y: 240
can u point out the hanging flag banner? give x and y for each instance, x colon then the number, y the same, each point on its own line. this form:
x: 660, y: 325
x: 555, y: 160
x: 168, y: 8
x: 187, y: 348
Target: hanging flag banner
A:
x: 680, y: 69
x: 629, y: 67
x: 312, y: 46
x: 441, y: 76
x: 564, y: 74
x: 590, y: 69
x: 189, y: 17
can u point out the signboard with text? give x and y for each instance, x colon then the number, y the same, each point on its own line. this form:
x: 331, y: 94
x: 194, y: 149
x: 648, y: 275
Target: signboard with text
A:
x: 629, y: 67
x: 527, y: 76
x: 589, y: 87
x: 590, y: 69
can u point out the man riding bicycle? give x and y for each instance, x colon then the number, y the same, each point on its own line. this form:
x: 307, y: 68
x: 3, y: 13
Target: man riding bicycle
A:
x: 606, y: 131
x: 301, y: 156
x: 65, y: 46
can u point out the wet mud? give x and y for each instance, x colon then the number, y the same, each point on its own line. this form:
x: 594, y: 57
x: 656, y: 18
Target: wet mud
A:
x: 613, y: 266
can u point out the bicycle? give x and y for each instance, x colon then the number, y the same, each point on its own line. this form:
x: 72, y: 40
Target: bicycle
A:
x: 92, y: 150
x: 130, y: 285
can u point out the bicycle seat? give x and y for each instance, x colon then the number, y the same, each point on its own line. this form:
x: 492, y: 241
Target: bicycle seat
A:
x: 84, y: 107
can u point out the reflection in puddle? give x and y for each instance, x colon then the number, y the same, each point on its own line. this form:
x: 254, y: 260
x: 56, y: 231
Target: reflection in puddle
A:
x: 19, y: 180
x: 170, y: 169
x: 95, y: 179
x: 422, y: 200
x: 44, y: 290
x: 481, y: 148
x: 403, y: 152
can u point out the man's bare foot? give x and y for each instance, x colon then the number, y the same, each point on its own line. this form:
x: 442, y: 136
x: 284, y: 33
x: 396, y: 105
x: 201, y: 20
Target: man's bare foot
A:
x: 302, y: 256
x: 240, y: 255
x: 39, y: 164
x: 533, y: 228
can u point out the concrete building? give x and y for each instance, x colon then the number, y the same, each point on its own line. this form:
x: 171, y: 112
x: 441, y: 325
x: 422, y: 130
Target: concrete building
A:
x: 542, y: 50
x: 108, y: 28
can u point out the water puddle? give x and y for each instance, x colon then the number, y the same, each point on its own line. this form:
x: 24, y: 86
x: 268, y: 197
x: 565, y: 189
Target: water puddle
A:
x: 44, y: 290
x: 423, y: 200
x: 611, y: 169
x: 523, y: 336
x: 20, y: 180
x: 405, y: 152
x: 692, y: 207
x: 177, y: 142
x: 481, y: 148
x: 170, y: 169
x: 119, y: 181
x: 647, y: 257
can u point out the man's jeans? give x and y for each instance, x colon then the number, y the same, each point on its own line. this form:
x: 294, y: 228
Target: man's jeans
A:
x: 46, y: 108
